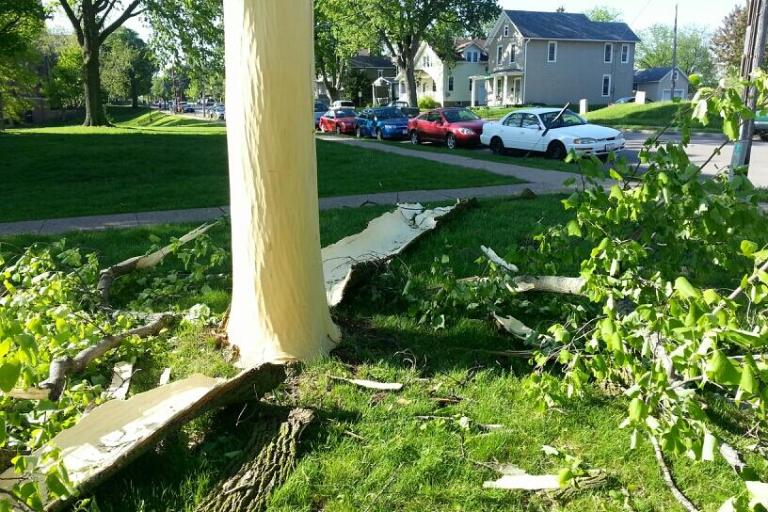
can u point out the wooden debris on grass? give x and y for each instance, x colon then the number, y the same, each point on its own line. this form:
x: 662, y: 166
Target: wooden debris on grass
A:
x: 165, y: 377
x: 384, y: 238
x: 371, y: 384
x: 117, y: 432
x: 121, y: 381
x: 514, y: 478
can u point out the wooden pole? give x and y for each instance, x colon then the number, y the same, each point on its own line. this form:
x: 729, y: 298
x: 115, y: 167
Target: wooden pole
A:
x: 674, y: 59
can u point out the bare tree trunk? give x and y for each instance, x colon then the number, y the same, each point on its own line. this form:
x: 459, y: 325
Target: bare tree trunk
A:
x: 410, y: 79
x: 94, y: 108
x: 279, y: 308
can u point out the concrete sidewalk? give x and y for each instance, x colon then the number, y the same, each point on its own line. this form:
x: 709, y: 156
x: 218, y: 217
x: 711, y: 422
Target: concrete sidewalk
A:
x: 133, y: 220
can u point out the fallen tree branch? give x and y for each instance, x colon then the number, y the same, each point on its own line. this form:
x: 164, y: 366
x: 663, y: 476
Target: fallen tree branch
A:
x: 549, y: 284
x: 667, y: 476
x: 64, y: 366
x: 109, y: 275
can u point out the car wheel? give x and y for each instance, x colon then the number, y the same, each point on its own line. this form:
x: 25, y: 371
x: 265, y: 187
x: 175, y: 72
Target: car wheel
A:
x: 556, y: 151
x: 497, y: 146
x: 379, y: 134
x: 764, y: 137
x: 358, y: 133
x: 415, y: 137
x: 338, y: 130
x: 450, y: 141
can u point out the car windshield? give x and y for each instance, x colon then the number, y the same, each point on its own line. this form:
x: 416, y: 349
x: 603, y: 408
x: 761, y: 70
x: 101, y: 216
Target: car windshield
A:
x: 457, y: 116
x: 389, y: 113
x: 320, y: 107
x: 567, y: 119
x: 345, y: 113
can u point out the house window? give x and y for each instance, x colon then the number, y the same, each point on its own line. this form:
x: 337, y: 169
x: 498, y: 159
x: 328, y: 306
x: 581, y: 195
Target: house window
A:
x: 434, y: 86
x: 606, y: 86
x: 471, y: 83
x: 424, y: 87
x: 499, y: 50
x: 402, y: 87
x: 381, y: 73
x: 512, y: 52
x: 427, y: 61
x: 473, y: 56
x: 552, y: 52
x: 506, y: 30
x: 624, y: 53
x: 608, y: 54
x: 450, y: 84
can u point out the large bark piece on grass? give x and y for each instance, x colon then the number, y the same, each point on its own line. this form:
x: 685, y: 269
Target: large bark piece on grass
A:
x: 115, y: 433
x: 249, y: 489
x: 279, y: 312
x: 384, y: 238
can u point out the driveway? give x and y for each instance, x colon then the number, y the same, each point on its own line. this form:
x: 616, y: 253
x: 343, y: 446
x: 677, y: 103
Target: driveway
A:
x: 701, y: 148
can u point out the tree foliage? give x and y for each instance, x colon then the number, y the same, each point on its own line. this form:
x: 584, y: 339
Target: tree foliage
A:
x: 127, y: 66
x: 728, y: 40
x: 63, y: 79
x: 656, y: 48
x: 604, y: 13
x: 403, y: 26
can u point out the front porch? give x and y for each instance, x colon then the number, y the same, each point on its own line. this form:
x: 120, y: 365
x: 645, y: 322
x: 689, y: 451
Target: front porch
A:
x: 505, y: 88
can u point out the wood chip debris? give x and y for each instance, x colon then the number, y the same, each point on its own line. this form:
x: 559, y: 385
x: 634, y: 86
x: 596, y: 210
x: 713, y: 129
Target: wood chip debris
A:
x: 371, y: 384
x: 165, y: 377
x: 121, y: 381
x: 514, y: 478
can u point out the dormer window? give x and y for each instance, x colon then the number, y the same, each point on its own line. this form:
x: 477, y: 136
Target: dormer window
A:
x: 506, y: 30
x: 473, y: 56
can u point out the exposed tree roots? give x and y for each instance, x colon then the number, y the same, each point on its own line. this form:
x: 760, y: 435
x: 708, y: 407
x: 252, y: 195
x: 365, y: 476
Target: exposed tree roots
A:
x: 249, y: 489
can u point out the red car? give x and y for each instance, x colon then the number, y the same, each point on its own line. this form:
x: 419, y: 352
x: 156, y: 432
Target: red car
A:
x: 339, y: 120
x: 454, y: 126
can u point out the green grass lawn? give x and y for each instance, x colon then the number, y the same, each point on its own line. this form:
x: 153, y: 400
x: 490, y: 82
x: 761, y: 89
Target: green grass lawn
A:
x: 368, y: 451
x: 650, y: 115
x: 160, y: 162
x: 483, y: 153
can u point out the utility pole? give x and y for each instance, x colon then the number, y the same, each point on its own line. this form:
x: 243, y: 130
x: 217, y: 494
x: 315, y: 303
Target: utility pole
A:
x: 674, y: 58
x: 754, y: 55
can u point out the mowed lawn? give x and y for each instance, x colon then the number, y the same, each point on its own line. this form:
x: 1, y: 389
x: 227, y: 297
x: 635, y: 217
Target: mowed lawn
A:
x: 407, y: 451
x: 171, y: 163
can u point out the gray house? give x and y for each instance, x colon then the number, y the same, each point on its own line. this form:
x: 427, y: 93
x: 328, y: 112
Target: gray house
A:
x: 552, y: 58
x: 657, y: 83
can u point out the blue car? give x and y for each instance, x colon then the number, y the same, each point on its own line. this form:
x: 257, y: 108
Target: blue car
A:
x: 382, y: 123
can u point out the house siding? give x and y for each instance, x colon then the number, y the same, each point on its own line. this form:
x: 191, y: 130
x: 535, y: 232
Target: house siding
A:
x: 515, y: 39
x: 577, y: 73
x: 654, y: 91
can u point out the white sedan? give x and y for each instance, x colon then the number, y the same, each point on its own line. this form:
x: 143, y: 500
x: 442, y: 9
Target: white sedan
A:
x: 552, y: 131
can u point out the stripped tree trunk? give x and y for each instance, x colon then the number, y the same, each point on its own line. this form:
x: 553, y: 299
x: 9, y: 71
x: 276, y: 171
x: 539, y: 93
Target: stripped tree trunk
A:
x: 279, y: 310
x: 252, y: 485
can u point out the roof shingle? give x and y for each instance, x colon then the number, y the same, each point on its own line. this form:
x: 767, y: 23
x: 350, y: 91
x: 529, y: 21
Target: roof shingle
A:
x: 570, y: 26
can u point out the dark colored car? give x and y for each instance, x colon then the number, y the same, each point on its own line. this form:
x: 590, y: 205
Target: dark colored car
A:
x: 339, y: 120
x: 382, y: 123
x: 405, y: 108
x: 452, y: 126
x: 320, y: 109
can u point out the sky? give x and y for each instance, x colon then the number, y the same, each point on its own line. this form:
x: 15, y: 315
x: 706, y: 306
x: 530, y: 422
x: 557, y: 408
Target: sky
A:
x: 640, y: 14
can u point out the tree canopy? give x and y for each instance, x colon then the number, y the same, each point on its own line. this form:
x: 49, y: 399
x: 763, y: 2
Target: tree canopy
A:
x: 655, y: 50
x: 604, y: 13
x: 728, y: 40
x: 127, y: 66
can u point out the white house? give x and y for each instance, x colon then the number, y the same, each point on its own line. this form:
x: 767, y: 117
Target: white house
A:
x: 449, y: 84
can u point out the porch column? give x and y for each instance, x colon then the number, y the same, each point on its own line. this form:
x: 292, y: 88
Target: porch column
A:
x: 506, y: 88
x: 473, y: 92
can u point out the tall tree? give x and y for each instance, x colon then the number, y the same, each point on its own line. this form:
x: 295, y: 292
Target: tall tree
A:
x: 403, y: 25
x: 127, y: 66
x: 728, y: 40
x: 62, y: 74
x: 21, y: 22
x: 279, y: 308
x: 604, y: 13
x: 93, y: 22
x: 655, y: 50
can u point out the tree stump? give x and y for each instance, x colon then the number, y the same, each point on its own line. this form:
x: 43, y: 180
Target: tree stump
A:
x: 249, y: 489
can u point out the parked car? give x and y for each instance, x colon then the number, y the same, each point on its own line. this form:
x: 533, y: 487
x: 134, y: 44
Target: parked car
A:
x: 188, y: 108
x: 406, y: 109
x: 629, y: 99
x: 382, y: 123
x: 761, y: 125
x: 343, y: 104
x: 453, y: 126
x: 217, y: 112
x: 320, y: 109
x: 338, y: 120
x: 552, y: 131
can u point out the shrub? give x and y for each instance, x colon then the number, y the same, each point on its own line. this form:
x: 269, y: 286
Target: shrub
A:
x: 427, y: 103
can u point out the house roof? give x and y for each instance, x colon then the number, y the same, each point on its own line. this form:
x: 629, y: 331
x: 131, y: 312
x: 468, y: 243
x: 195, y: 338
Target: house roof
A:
x: 570, y: 26
x: 653, y: 75
x: 370, y: 61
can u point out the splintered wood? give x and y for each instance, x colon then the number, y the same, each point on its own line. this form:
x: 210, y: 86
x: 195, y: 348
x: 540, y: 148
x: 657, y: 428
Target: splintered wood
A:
x: 385, y: 237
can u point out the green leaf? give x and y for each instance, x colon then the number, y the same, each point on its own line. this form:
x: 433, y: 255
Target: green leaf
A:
x: 565, y: 476
x: 615, y: 174
x: 711, y: 296
x: 9, y: 375
x: 686, y: 289
x: 721, y: 370
x: 731, y: 128
x: 748, y: 382
x: 55, y: 485
x: 574, y: 229
x: 748, y: 248
x: 637, y: 409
